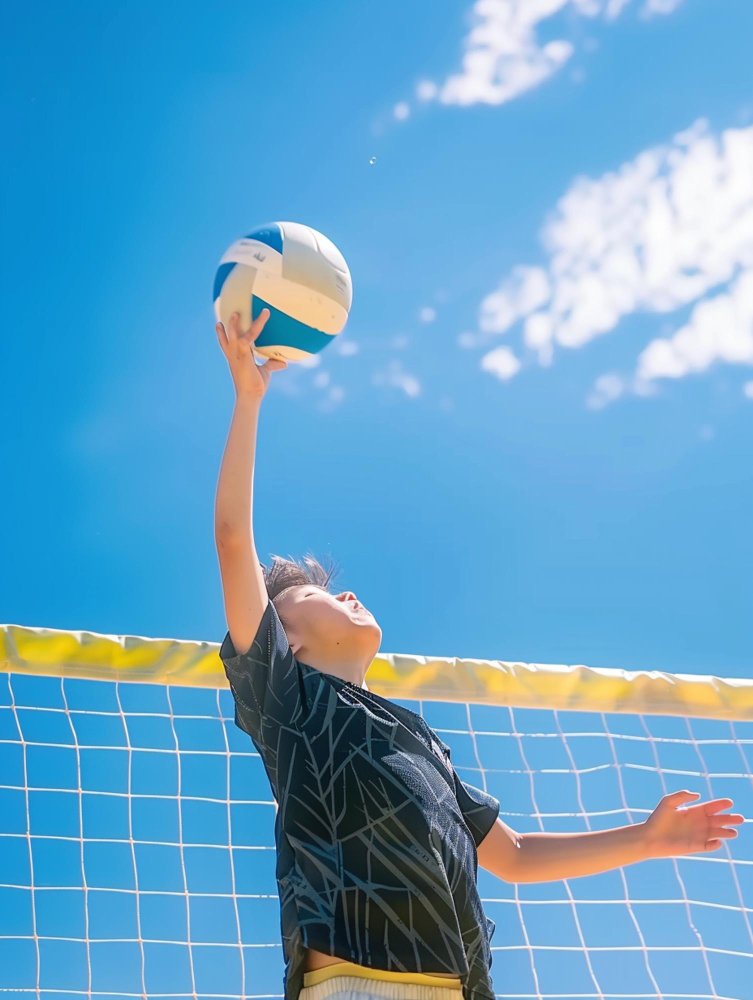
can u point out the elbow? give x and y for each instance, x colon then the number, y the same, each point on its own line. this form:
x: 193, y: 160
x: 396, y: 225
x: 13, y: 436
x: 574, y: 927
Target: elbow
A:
x: 226, y: 536
x: 500, y: 852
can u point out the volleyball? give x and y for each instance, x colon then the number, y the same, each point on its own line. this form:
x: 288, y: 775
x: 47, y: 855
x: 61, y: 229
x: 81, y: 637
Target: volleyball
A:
x: 295, y: 272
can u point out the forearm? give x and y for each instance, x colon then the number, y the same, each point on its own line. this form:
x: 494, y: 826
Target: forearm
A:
x: 548, y: 857
x: 233, y: 512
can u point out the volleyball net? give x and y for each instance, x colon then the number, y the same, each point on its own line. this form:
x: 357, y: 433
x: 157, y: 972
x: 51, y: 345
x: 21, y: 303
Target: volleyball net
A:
x: 136, y: 823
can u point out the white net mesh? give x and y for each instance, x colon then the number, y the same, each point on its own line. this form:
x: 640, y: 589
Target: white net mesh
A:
x: 137, y: 847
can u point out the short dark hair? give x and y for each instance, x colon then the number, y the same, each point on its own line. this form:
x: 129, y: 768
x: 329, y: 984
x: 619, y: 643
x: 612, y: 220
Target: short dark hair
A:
x: 286, y: 573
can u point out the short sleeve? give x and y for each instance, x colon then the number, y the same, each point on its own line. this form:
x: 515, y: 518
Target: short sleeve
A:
x: 479, y: 809
x: 266, y: 681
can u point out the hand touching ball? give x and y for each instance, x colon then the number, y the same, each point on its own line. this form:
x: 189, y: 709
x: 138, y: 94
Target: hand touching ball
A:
x: 297, y: 275
x: 249, y: 378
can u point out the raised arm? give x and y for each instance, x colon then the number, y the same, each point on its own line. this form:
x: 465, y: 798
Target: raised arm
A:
x: 244, y: 591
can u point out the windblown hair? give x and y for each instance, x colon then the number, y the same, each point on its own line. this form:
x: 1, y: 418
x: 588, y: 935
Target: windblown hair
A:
x: 286, y: 573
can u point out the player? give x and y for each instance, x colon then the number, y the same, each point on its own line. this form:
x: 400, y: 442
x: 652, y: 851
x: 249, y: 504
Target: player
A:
x: 377, y: 837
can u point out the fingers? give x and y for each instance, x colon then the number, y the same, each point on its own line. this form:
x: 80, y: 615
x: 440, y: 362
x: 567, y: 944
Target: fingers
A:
x: 677, y: 798
x: 716, y: 805
x: 721, y: 831
x: 258, y: 324
x: 234, y: 331
x: 234, y: 326
x: 718, y: 835
x: 733, y: 819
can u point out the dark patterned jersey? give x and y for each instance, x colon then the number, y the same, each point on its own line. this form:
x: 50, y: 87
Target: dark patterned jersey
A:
x: 376, y: 835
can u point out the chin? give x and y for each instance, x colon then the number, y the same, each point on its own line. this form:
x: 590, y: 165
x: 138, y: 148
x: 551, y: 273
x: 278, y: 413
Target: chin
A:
x: 375, y: 628
x: 377, y: 640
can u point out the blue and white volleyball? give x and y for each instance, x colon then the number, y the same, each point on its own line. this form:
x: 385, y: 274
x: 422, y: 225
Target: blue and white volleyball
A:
x: 296, y: 273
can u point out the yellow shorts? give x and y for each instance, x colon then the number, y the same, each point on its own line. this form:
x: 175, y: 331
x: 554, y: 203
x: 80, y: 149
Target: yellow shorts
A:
x: 348, y: 981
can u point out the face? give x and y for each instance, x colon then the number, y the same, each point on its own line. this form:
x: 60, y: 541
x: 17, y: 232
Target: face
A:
x: 333, y: 633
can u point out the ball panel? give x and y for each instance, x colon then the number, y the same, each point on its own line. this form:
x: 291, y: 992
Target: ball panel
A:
x: 269, y: 234
x: 303, y: 264
x: 254, y: 253
x: 301, y: 303
x: 235, y: 295
x: 329, y: 251
x: 219, y: 279
x: 285, y: 337
x: 292, y: 355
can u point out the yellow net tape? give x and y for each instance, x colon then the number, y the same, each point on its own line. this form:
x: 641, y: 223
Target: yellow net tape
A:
x: 54, y: 652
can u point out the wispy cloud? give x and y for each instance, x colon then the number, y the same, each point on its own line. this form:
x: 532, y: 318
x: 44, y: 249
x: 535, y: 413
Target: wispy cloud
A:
x: 672, y: 228
x: 504, y: 56
x: 395, y: 377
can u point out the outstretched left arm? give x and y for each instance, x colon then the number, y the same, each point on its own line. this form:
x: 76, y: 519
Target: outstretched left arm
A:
x: 670, y: 831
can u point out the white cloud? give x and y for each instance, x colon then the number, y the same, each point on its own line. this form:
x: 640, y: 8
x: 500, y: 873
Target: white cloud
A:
x: 525, y: 290
x: 426, y: 90
x: 662, y: 232
x: 719, y: 329
x: 504, y: 57
x: 334, y: 397
x: 394, y: 377
x: 347, y: 348
x: 313, y: 361
x: 401, y: 111
x: 468, y: 340
x: 748, y: 390
x: 661, y: 6
x: 606, y: 389
x: 427, y: 314
x: 502, y: 363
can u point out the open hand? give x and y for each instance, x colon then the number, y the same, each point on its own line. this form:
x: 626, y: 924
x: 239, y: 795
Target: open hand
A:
x: 671, y: 830
x: 237, y: 346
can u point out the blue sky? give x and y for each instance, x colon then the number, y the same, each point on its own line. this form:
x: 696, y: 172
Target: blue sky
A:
x: 532, y: 441
x: 477, y: 513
